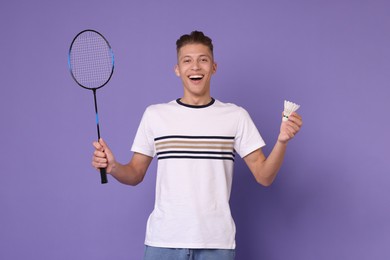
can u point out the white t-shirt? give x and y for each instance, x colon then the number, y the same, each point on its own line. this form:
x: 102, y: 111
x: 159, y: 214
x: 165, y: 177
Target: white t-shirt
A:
x: 195, y: 147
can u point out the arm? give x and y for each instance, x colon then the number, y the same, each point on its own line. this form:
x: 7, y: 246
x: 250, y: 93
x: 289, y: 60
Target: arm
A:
x: 265, y: 169
x: 131, y: 173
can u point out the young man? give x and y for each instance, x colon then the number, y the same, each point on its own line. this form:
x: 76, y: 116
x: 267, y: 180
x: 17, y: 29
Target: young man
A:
x: 195, y: 139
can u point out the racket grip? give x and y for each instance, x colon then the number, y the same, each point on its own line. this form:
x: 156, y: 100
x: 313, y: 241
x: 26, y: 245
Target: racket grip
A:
x: 103, y: 175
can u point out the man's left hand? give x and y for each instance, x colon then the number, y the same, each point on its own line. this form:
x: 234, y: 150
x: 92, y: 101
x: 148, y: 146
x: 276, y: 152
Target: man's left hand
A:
x: 290, y: 128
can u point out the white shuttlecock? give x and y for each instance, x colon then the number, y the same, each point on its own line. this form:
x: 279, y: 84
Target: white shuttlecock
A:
x: 289, y: 107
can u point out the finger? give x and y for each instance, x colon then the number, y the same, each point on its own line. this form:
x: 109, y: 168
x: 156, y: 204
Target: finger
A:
x: 294, y: 125
x: 99, y: 162
x: 290, y: 131
x: 99, y: 166
x: 99, y: 154
x: 296, y: 117
x: 97, y: 146
x: 290, y: 128
x: 294, y: 120
x: 99, y: 158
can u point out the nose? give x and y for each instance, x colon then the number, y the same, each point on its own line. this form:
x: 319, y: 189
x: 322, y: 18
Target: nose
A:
x: 195, y: 65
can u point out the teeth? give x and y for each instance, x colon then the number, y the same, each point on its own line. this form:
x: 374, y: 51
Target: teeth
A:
x: 196, y: 77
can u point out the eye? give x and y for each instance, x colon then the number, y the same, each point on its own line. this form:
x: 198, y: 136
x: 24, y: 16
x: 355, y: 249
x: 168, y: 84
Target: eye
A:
x: 186, y: 60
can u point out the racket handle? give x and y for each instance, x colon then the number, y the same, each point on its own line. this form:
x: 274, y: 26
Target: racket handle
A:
x: 103, y: 175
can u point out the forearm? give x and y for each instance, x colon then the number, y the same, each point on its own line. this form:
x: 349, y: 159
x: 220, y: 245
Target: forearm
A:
x: 127, y: 174
x: 265, y: 169
x: 272, y: 164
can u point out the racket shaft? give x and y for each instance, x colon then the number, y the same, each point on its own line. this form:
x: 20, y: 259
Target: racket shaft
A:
x: 103, y: 172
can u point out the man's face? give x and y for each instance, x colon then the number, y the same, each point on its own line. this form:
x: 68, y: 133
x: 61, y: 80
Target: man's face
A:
x: 195, y: 66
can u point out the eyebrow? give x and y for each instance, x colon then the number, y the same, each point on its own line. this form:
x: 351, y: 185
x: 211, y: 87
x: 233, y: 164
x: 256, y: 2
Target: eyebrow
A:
x: 200, y: 56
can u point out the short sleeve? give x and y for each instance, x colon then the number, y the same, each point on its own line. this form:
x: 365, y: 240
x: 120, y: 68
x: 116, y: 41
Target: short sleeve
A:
x: 248, y: 138
x: 144, y: 140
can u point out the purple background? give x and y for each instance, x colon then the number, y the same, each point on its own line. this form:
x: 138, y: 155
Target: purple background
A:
x: 332, y: 197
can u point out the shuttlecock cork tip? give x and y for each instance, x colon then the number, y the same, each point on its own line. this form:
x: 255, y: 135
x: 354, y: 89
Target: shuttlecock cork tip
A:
x: 289, y: 107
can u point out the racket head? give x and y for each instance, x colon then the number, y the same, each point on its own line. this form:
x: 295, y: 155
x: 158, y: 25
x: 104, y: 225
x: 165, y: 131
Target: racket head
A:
x: 91, y: 59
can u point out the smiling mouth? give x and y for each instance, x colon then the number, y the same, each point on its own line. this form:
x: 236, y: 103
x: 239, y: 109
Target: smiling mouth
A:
x: 196, y: 77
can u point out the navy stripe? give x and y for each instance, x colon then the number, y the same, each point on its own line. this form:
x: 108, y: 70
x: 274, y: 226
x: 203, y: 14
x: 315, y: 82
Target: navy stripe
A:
x: 193, y: 137
x: 197, y: 152
x: 195, y: 157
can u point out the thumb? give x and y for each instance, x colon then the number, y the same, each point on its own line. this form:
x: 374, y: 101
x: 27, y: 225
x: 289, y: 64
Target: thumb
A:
x: 105, y: 147
x: 103, y: 144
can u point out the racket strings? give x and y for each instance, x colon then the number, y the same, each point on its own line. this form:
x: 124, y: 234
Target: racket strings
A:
x: 91, y: 60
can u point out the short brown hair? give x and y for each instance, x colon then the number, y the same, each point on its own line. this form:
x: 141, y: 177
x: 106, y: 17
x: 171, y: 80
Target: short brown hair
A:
x: 194, y: 37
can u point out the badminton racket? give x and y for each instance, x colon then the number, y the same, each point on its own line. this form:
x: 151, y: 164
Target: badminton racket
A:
x: 91, y: 64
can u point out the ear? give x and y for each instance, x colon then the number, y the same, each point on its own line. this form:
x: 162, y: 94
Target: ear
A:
x: 215, y: 66
x: 177, y: 72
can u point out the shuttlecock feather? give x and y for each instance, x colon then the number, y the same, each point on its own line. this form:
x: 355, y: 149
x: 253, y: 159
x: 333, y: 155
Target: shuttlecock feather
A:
x: 289, y: 107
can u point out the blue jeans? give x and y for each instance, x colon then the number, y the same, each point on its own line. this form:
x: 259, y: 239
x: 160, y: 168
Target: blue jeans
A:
x: 159, y: 253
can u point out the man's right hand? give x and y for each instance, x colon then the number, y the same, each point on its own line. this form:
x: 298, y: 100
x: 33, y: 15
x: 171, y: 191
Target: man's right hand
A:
x: 102, y: 156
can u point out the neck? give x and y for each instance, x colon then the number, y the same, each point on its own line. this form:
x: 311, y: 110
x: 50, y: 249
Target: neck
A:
x: 196, y: 101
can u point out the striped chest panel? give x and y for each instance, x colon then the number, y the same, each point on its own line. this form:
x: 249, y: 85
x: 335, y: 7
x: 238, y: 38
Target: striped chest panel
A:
x: 195, y: 147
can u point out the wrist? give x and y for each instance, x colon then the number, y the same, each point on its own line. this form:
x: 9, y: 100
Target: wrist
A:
x: 282, y: 141
x: 112, y: 168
